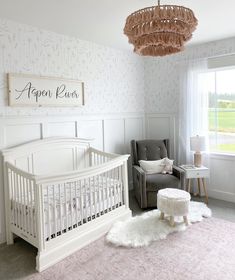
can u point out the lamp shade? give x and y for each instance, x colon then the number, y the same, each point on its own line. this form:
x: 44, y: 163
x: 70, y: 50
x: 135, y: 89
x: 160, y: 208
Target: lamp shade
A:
x: 197, y: 143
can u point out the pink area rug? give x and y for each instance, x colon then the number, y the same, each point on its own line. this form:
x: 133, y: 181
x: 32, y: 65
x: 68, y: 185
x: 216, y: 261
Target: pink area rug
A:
x: 205, y: 251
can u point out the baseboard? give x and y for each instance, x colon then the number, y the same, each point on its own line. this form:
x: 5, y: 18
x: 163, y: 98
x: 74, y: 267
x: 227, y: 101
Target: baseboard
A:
x: 50, y: 257
x: 226, y: 196
x: 2, y: 238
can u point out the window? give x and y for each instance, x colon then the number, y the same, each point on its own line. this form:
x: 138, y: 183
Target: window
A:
x: 221, y: 103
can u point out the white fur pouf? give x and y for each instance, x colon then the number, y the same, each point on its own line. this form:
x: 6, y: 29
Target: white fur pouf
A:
x: 141, y: 230
x: 173, y: 202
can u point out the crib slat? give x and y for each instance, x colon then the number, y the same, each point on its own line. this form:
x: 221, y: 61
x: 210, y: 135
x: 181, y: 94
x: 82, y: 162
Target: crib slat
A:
x: 14, y: 197
x: 17, y: 200
x: 114, y: 188
x: 98, y: 195
x: 118, y: 189
x: 86, y: 204
x: 31, y: 209
x: 121, y: 185
x: 25, y: 204
x: 107, y: 191
x: 21, y: 203
x: 65, y: 206
x: 60, y: 209
x: 54, y: 208
x: 110, y: 189
x: 95, y: 194
x: 76, y: 203
x: 71, y: 203
x: 103, y: 190
x: 48, y: 215
x: 81, y: 201
x: 90, y: 194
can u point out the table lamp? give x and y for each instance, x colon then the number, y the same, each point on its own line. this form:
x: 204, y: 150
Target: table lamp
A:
x: 197, y: 144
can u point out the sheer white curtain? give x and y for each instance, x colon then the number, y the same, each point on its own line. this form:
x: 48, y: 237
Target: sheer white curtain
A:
x: 193, y: 107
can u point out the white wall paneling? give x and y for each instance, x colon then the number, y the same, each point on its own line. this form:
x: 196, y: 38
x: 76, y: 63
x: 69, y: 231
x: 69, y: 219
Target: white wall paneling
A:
x: 61, y: 128
x: 134, y: 129
x: 15, y: 134
x: 162, y: 126
x: 221, y: 183
x: 110, y: 133
x: 92, y: 129
x: 114, y: 135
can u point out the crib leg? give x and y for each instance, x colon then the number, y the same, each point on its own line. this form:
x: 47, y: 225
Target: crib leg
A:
x: 42, y: 260
x: 10, y: 238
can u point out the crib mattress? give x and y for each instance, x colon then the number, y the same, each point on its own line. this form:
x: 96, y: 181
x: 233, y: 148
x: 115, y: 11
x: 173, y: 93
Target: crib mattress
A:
x: 70, y: 205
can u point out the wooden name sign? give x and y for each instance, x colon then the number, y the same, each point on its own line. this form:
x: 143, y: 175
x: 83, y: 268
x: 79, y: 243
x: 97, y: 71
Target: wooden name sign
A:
x: 27, y: 90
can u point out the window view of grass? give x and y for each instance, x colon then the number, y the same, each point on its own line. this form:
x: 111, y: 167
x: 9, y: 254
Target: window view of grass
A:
x: 222, y: 112
x: 225, y: 120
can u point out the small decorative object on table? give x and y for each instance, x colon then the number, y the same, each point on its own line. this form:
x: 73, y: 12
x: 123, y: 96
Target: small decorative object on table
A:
x: 199, y: 173
x: 173, y: 202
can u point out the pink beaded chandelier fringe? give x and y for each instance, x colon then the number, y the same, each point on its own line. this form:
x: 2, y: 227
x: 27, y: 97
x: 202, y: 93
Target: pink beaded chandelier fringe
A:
x: 160, y: 30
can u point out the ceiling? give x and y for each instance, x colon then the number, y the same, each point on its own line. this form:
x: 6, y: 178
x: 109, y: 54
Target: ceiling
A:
x: 102, y: 21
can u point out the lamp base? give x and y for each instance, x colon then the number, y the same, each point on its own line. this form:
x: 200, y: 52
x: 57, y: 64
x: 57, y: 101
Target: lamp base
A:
x: 198, y: 159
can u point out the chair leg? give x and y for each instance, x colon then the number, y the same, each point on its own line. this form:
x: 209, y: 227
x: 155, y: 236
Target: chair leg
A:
x: 199, y: 186
x: 204, y: 187
x: 186, y: 220
x: 162, y: 216
x: 172, y: 222
x: 189, y: 185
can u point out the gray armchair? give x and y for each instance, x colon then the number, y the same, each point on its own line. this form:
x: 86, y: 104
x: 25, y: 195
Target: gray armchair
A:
x: 146, y: 186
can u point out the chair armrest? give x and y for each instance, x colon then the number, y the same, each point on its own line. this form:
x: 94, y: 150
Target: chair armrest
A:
x: 139, y: 170
x: 139, y: 181
x: 179, y: 173
x: 139, y: 175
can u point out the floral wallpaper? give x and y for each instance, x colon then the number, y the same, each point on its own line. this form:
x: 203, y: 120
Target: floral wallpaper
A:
x: 162, y: 75
x: 114, y: 79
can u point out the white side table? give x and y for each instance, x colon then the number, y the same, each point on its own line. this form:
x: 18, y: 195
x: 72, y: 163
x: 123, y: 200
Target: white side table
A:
x: 199, y: 173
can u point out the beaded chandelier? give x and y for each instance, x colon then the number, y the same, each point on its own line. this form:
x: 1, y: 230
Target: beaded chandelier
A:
x: 160, y: 30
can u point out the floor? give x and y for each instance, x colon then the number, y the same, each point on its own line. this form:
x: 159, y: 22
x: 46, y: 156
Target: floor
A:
x: 18, y: 261
x: 220, y: 209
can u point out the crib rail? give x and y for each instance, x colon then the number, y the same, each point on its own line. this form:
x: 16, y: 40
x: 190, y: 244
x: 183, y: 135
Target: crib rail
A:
x: 98, y: 157
x: 68, y: 205
x: 22, y: 207
x: 46, y: 207
x: 74, y: 199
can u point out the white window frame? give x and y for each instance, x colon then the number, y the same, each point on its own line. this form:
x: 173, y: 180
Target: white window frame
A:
x: 218, y: 154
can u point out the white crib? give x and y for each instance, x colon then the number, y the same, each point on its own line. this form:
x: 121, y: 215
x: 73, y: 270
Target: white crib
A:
x: 61, y: 194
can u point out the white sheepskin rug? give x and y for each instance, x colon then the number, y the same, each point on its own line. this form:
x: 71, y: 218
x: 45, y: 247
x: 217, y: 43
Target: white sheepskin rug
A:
x: 142, y: 230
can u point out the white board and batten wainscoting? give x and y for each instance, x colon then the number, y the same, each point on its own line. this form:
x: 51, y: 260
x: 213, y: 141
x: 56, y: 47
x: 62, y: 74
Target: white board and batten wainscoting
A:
x: 111, y: 133
x: 162, y: 126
